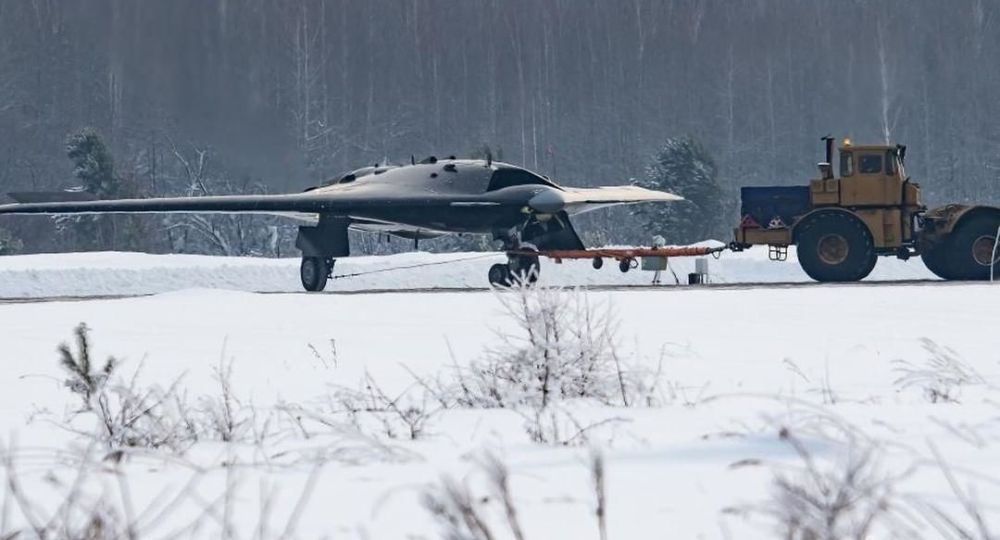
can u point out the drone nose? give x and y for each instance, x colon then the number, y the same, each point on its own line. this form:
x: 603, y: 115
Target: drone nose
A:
x: 549, y: 201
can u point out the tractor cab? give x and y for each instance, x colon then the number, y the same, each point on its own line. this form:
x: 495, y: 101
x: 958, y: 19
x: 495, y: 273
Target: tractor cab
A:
x: 871, y: 161
x: 870, y: 176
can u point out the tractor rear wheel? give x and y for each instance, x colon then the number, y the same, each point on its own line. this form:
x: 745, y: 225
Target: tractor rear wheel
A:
x: 936, y: 260
x: 970, y: 248
x: 835, y: 246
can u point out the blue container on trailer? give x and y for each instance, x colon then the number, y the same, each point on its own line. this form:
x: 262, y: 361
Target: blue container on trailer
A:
x: 774, y: 206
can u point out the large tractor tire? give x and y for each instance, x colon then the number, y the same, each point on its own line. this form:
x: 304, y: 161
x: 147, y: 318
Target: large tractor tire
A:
x: 970, y: 248
x: 835, y: 246
x: 936, y: 260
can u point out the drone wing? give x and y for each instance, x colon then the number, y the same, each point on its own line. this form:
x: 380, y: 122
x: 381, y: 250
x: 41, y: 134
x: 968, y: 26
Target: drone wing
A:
x: 345, y: 202
x: 294, y: 205
x: 72, y: 203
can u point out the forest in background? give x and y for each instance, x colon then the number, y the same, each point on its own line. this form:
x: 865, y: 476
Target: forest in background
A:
x: 219, y: 96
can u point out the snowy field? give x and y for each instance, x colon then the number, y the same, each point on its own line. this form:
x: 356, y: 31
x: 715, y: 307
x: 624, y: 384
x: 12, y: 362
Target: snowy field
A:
x: 90, y: 274
x: 733, y: 413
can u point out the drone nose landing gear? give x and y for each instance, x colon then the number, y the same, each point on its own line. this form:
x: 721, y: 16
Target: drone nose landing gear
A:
x: 521, y: 269
x: 523, y: 266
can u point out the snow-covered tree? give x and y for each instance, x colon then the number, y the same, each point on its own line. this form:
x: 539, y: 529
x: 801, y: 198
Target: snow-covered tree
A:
x: 94, y: 169
x: 93, y: 164
x: 197, y: 171
x: 683, y: 167
x: 9, y: 243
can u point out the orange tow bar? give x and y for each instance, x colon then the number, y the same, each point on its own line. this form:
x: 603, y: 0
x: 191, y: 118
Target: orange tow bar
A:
x: 629, y: 256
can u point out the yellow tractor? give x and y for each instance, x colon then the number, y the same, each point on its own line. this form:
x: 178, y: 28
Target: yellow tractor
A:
x: 841, y: 224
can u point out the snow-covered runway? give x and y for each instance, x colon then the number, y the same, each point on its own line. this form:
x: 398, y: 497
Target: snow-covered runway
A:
x: 129, y: 274
x: 587, y: 288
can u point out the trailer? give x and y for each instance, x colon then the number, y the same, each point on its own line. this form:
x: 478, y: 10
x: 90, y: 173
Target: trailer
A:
x: 652, y: 258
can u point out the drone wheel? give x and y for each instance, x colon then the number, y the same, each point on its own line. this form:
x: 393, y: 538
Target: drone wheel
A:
x: 499, y: 275
x: 314, y: 272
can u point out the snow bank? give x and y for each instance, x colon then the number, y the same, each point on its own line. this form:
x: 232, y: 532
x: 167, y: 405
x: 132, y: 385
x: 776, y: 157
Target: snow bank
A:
x: 94, y: 274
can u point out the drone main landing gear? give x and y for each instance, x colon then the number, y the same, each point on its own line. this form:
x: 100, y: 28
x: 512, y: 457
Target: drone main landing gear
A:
x: 320, y: 246
x: 315, y: 271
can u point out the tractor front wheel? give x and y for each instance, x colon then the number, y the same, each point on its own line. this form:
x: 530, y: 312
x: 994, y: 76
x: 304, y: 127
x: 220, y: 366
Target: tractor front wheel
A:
x: 835, y: 246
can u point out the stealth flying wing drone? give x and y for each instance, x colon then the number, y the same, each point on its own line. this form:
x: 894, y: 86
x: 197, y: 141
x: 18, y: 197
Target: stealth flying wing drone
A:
x: 434, y: 197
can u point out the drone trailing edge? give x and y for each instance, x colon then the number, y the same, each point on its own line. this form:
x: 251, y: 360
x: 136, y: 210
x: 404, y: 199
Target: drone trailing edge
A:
x: 425, y: 199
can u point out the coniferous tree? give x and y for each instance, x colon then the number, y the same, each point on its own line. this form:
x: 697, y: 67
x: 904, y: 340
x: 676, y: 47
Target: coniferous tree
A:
x: 683, y: 167
x: 93, y: 164
x: 9, y: 244
x: 93, y: 167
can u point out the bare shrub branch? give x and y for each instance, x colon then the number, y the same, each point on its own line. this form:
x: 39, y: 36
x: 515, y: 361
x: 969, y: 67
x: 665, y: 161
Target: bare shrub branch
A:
x: 402, y: 415
x: 565, y: 347
x: 111, y: 513
x: 970, y: 524
x: 940, y: 377
x: 597, y: 475
x: 556, y: 425
x: 847, y: 497
x: 225, y: 416
x: 463, y: 515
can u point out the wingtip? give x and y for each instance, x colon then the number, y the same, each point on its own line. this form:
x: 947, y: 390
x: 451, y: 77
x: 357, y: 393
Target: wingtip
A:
x: 50, y: 196
x: 665, y: 196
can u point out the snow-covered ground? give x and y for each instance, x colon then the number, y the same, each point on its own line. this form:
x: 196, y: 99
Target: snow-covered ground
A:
x: 90, y: 274
x: 910, y: 371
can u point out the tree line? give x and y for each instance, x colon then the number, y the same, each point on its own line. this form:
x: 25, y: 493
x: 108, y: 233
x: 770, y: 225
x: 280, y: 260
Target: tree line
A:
x: 199, y: 96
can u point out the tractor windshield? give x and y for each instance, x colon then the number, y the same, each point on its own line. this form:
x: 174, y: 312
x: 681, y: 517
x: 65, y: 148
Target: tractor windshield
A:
x: 890, y: 162
x: 870, y: 164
